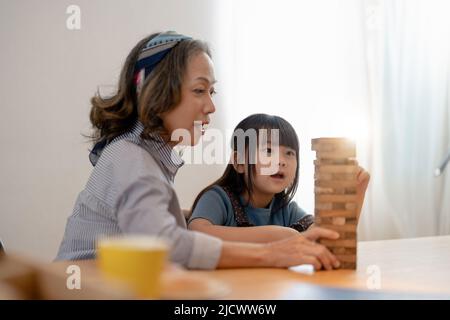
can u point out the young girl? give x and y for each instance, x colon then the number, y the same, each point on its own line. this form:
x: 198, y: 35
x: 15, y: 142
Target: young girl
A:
x: 246, y: 197
x: 166, y: 84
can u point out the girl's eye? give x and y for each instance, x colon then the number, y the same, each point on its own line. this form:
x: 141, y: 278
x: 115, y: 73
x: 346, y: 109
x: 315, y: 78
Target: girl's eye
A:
x: 290, y: 153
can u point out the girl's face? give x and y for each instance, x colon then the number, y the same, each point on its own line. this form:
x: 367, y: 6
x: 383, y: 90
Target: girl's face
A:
x: 196, y: 103
x: 285, y: 170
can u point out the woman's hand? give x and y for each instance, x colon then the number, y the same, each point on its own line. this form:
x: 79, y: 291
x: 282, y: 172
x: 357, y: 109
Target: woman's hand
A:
x: 300, y: 250
x: 363, y: 178
x: 314, y: 233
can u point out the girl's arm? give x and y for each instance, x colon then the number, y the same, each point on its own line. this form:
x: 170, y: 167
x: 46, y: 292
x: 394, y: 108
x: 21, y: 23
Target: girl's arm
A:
x: 260, y: 234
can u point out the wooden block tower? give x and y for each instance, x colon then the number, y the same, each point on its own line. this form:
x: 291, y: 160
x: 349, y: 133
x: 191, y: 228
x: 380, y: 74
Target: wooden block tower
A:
x: 335, y: 181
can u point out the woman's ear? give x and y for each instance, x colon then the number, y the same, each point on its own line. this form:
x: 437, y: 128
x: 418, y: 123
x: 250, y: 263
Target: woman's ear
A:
x: 239, y: 167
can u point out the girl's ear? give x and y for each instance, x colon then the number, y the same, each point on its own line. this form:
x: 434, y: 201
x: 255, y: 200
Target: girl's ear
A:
x: 240, y: 168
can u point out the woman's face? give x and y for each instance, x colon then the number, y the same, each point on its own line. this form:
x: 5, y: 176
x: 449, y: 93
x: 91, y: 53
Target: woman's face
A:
x: 192, y: 113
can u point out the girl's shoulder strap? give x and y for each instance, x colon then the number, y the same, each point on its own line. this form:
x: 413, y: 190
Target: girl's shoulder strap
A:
x: 239, y: 213
x: 303, y: 224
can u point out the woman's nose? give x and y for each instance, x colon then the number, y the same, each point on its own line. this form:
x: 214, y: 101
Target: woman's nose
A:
x: 210, y: 107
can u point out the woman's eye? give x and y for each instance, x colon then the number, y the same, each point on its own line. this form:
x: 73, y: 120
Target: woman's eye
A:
x: 213, y: 92
x: 199, y: 91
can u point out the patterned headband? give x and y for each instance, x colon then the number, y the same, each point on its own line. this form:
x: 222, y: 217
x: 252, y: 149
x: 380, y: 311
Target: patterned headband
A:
x: 153, y: 52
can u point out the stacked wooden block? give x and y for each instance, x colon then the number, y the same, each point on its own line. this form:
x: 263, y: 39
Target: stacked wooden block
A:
x: 336, y: 205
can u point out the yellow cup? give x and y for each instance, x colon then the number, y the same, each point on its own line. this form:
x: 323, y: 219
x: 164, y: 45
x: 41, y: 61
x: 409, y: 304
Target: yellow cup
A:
x: 137, y: 261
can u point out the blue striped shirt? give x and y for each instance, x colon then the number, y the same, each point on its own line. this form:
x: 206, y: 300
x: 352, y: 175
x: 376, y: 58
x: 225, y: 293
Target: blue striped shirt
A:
x: 130, y: 191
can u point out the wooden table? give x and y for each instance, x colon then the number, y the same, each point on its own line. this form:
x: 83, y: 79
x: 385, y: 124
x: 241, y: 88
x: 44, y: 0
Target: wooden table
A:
x: 408, y: 265
x: 420, y: 265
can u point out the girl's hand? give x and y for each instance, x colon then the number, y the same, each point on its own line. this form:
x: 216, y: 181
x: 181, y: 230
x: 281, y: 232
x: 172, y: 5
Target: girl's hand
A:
x: 299, y: 250
x: 363, y: 181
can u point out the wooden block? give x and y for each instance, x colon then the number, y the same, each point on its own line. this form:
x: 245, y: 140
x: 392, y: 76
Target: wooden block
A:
x: 332, y: 143
x: 351, y: 190
x: 336, y: 169
x: 330, y: 140
x: 344, y: 176
x: 350, y: 250
x: 338, y: 250
x: 339, y: 243
x: 352, y: 221
x: 335, y: 176
x: 350, y: 228
x: 329, y: 206
x: 345, y: 198
x: 335, y: 191
x: 338, y: 206
x: 339, y: 191
x: 323, y: 176
x: 319, y: 221
x: 350, y: 206
x: 340, y: 154
x: 324, y: 206
x: 345, y: 161
x: 335, y: 213
x: 338, y: 221
x: 336, y: 183
x: 332, y: 148
x: 346, y: 258
x: 344, y: 235
x: 321, y: 190
x: 348, y: 265
x: 343, y: 251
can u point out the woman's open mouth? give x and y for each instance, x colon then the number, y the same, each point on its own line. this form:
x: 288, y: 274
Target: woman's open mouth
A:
x: 204, y: 126
x: 201, y: 126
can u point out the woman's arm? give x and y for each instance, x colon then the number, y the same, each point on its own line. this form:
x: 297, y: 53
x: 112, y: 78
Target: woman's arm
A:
x: 260, y: 234
x: 283, y: 253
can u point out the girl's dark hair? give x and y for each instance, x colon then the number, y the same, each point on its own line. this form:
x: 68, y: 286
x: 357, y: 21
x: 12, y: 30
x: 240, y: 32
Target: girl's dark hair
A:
x: 236, y: 181
x: 161, y: 92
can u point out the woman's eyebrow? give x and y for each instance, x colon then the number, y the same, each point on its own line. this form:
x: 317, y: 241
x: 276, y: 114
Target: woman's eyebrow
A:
x: 206, y: 80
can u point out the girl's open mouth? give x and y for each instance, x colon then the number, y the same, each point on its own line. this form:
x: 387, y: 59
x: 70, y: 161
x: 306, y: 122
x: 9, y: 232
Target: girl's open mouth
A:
x: 278, y: 176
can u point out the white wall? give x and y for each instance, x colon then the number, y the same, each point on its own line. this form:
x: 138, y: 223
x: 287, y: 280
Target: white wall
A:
x: 48, y: 74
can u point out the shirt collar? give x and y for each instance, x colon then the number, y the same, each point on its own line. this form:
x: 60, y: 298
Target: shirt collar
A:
x: 155, y: 145
x: 168, y: 156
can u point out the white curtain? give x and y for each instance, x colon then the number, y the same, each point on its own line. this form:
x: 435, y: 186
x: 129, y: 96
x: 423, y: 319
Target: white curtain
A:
x: 370, y: 70
x: 408, y: 45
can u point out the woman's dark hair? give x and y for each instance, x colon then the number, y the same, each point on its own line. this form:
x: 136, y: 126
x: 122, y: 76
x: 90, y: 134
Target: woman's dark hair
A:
x: 161, y: 92
x: 236, y: 182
